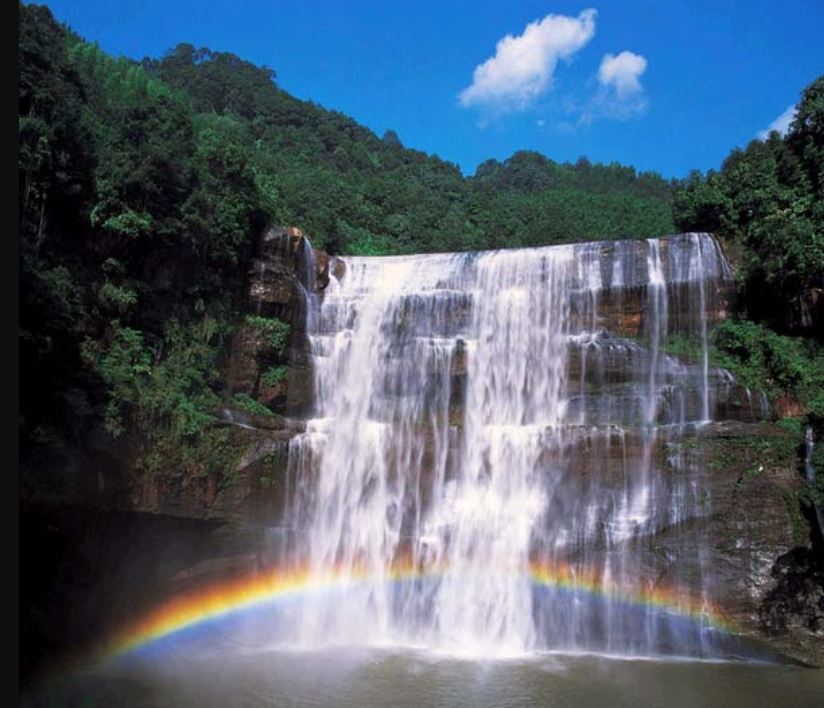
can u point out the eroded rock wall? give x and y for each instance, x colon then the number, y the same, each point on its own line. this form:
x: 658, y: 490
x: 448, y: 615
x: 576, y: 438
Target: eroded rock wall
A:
x: 756, y: 561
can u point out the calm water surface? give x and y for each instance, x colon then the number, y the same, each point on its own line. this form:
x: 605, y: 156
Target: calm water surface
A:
x: 371, y: 678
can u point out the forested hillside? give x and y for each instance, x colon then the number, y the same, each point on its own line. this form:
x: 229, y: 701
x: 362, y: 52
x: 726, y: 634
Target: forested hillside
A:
x: 143, y: 187
x: 767, y: 203
x: 357, y: 193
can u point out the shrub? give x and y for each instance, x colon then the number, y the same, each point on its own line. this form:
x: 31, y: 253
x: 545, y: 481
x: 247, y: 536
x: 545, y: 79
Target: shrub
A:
x: 244, y: 402
x: 274, y: 332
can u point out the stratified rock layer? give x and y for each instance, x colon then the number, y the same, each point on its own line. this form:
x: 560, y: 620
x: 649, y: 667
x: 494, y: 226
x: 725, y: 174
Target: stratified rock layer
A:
x: 651, y: 464
x: 484, y: 410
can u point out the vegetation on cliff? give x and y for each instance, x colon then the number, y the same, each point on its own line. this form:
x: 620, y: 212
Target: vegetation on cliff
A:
x: 767, y: 204
x: 136, y: 223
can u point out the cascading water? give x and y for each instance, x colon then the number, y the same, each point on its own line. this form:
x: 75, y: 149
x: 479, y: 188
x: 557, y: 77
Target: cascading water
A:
x: 810, y: 472
x: 478, y: 414
x: 487, y: 513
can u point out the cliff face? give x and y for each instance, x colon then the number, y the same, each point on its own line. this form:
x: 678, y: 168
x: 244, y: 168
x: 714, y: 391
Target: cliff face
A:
x: 741, y: 538
x: 126, y: 537
x: 659, y: 468
x: 284, y: 273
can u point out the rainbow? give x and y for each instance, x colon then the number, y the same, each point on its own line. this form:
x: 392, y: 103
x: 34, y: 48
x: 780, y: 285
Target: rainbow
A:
x: 256, y: 590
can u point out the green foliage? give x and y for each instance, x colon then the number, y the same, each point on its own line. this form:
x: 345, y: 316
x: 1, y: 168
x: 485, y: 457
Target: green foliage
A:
x: 181, y: 397
x: 794, y: 426
x: 137, y: 217
x: 124, y: 364
x: 122, y: 299
x: 534, y: 201
x: 360, y: 242
x: 766, y: 204
x: 761, y: 358
x: 768, y: 199
x: 272, y: 335
x: 165, y: 396
x: 244, y: 402
x: 359, y: 194
x: 272, y: 331
x: 683, y: 346
x: 127, y: 223
x: 212, y: 452
x: 274, y: 376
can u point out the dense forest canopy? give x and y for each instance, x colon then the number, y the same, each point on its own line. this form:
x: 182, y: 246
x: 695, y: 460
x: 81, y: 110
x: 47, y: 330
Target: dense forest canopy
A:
x: 143, y: 187
x: 357, y: 193
x: 768, y: 199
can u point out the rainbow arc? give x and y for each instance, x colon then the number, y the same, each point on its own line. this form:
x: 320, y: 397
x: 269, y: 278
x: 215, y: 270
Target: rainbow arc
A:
x: 260, y: 589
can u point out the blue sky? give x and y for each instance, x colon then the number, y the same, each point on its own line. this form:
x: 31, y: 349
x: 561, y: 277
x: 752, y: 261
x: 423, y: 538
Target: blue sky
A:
x: 662, y: 85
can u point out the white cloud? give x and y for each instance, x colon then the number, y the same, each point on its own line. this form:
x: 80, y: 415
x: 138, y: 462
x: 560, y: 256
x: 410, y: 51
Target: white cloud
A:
x: 523, y: 66
x: 781, y: 124
x: 621, y: 94
x: 622, y: 73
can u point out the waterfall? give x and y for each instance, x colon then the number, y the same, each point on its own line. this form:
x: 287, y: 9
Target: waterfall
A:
x: 487, y: 515
x: 809, y: 450
x: 810, y: 472
x: 477, y: 414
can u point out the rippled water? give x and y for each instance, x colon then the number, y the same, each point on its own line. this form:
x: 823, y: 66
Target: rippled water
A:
x: 369, y: 678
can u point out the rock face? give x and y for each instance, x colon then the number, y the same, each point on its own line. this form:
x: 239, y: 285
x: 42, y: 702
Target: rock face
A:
x: 756, y: 540
x: 568, y: 390
x: 649, y: 463
x: 128, y: 538
x: 282, y: 275
x: 285, y: 273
